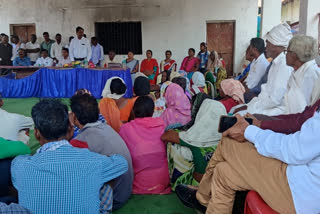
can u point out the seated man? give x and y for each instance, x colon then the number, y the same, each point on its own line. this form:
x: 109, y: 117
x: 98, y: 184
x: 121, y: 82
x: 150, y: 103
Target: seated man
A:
x: 101, y: 138
x: 60, y: 178
x: 110, y: 59
x: 44, y: 60
x: 282, y: 169
x: 272, y: 93
x: 22, y: 59
x: 14, y: 127
x: 64, y: 59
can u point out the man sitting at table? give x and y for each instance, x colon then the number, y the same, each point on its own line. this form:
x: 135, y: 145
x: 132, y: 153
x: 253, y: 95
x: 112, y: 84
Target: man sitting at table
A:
x: 14, y: 126
x: 110, y: 59
x: 22, y: 59
x: 64, y: 59
x: 45, y: 60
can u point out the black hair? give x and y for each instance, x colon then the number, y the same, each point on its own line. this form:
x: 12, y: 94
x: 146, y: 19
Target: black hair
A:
x: 193, y: 50
x: 131, y: 51
x: 34, y: 35
x: 203, y: 44
x: 141, y: 86
x: 168, y: 74
x: 3, y: 34
x: 51, y: 118
x: 45, y: 33
x: 180, y: 81
x: 58, y: 34
x: 168, y: 51
x: 65, y: 49
x: 45, y: 50
x: 15, y: 37
x: 117, y: 87
x: 78, y: 29
x: 259, y: 44
x: 111, y: 50
x: 71, y: 38
x: 149, y: 51
x: 94, y: 38
x: 143, y: 107
x: 85, y: 35
x: 85, y: 107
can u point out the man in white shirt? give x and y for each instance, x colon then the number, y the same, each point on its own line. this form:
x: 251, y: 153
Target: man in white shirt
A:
x: 301, y: 55
x: 45, y: 60
x: 259, y: 65
x: 16, y: 46
x: 80, y: 47
x: 14, y: 126
x: 64, y: 59
x: 110, y: 59
x: 283, y: 169
x: 33, y: 49
x: 272, y: 93
x: 56, y: 48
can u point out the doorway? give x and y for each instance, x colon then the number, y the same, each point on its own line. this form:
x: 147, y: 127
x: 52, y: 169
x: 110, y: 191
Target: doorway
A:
x: 23, y: 31
x: 220, y: 37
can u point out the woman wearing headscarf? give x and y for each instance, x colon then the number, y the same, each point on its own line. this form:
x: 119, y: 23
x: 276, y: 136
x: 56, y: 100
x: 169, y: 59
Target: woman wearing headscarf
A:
x: 215, y: 71
x: 231, y: 92
x: 143, y: 138
x: 191, y: 151
x: 113, y: 106
x: 198, y: 83
x: 160, y: 103
x: 178, y: 106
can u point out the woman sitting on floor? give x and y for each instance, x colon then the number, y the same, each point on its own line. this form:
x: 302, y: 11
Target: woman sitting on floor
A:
x: 231, y: 92
x: 160, y: 103
x: 189, y: 151
x: 178, y: 106
x: 113, y: 106
x: 150, y: 67
x: 142, y: 136
x: 198, y: 84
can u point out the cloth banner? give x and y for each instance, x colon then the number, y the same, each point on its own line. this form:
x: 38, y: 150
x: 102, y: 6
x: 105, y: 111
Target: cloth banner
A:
x: 62, y: 83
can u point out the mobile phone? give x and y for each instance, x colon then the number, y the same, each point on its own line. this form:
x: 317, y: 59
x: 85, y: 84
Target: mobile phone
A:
x: 226, y: 122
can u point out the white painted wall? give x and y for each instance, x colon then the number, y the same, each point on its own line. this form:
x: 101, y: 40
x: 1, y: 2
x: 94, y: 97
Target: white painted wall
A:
x: 309, y: 18
x: 290, y: 12
x: 270, y: 16
x: 166, y: 24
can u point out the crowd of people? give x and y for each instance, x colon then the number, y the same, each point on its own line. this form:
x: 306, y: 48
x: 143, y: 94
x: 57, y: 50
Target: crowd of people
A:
x: 165, y: 138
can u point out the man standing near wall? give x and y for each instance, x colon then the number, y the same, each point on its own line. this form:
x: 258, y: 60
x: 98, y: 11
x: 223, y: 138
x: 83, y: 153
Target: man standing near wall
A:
x: 5, y: 51
x: 56, y: 48
x: 47, y: 43
x: 33, y: 49
x: 80, y: 48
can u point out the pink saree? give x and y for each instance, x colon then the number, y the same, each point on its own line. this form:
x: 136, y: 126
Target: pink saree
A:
x: 149, y: 157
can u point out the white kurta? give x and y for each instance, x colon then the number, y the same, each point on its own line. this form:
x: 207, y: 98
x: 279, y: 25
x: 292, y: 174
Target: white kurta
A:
x: 272, y: 93
x: 257, y: 70
x: 300, y: 86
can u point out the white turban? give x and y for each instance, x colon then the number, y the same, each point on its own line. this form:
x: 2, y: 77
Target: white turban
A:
x: 280, y: 35
x: 107, y: 90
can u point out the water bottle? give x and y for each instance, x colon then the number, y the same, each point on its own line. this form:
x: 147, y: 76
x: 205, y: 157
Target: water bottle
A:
x: 124, y: 63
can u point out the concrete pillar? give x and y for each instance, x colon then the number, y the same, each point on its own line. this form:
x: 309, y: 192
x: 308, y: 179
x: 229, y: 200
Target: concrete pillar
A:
x: 309, y: 18
x: 270, y: 15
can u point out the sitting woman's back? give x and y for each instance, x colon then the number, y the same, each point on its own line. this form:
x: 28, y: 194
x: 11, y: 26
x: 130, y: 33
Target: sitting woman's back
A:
x: 148, y: 152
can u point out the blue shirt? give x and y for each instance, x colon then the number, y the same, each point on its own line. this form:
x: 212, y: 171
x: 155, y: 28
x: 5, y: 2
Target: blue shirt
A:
x: 301, y: 151
x: 246, y: 70
x: 97, y: 54
x: 22, y: 62
x: 63, y: 179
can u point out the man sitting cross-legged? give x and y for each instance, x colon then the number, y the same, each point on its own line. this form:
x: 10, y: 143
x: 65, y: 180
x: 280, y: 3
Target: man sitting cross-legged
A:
x: 60, y: 178
x: 101, y: 138
x: 283, y: 169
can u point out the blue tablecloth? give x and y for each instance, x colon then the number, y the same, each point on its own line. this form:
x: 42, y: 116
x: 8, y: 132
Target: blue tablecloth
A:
x: 62, y: 83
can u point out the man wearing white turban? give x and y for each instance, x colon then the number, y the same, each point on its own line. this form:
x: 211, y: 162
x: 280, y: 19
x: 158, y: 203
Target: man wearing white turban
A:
x: 272, y: 93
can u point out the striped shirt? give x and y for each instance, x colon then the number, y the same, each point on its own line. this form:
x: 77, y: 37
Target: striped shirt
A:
x: 64, y: 179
